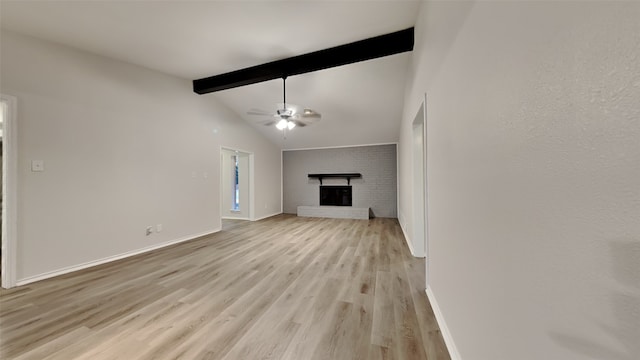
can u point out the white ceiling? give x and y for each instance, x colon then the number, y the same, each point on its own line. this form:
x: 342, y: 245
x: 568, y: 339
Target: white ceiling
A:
x: 360, y: 103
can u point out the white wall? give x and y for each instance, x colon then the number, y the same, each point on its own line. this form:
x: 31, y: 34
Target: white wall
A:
x: 124, y: 148
x: 533, y: 129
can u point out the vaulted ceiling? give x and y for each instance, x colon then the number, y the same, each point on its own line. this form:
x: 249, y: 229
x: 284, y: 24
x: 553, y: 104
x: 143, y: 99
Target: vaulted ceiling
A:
x: 361, y: 103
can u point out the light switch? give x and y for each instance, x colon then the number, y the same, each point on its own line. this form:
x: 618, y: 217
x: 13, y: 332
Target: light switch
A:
x: 37, y: 165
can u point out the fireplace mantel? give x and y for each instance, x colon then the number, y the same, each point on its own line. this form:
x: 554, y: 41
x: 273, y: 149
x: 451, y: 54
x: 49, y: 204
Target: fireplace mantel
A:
x: 347, y: 176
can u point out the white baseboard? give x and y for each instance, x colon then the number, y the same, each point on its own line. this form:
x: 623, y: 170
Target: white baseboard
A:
x: 408, y: 240
x: 267, y: 216
x: 444, y: 329
x: 233, y: 218
x: 89, y: 264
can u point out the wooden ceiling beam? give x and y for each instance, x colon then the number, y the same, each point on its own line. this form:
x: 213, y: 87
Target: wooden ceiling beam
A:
x: 371, y: 48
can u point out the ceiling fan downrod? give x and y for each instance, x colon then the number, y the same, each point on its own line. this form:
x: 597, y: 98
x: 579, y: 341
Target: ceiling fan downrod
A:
x: 285, y: 114
x: 284, y: 91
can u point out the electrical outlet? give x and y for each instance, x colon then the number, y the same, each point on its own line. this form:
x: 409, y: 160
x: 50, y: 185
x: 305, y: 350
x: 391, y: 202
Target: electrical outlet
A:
x: 149, y: 230
x: 37, y: 165
x: 159, y: 228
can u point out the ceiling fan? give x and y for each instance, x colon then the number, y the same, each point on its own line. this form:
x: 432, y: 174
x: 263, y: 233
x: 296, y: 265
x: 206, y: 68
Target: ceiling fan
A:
x: 288, y: 116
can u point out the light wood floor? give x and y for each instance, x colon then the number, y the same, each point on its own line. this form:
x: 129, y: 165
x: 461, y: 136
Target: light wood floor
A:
x: 281, y: 288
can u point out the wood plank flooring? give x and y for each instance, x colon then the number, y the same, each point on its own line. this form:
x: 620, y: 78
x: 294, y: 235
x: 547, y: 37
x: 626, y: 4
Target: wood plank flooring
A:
x: 281, y: 288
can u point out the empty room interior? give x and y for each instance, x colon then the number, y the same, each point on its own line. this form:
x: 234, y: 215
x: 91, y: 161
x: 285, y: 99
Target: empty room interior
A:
x: 320, y: 180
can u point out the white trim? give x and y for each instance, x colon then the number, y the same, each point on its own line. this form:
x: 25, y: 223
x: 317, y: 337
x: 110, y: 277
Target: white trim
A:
x: 10, y: 192
x: 252, y: 198
x: 444, y: 329
x: 221, y: 185
x: 427, y: 255
x: 281, y: 181
x: 222, y: 147
x: 267, y: 216
x: 252, y: 187
x: 234, y: 218
x: 407, y: 240
x: 108, y: 259
x: 343, y: 146
x: 398, y: 183
x: 418, y: 183
x: 256, y: 219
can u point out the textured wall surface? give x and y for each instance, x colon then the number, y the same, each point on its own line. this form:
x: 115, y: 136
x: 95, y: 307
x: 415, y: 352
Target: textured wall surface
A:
x: 533, y: 153
x: 102, y: 127
x: 376, y: 189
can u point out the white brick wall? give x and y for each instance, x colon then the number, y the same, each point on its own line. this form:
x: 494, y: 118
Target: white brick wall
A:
x: 376, y: 189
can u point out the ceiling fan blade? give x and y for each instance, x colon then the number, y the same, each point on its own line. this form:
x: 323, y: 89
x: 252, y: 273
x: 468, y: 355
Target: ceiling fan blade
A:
x: 259, y: 112
x: 307, y: 117
x: 310, y: 114
x: 300, y: 123
x: 269, y: 123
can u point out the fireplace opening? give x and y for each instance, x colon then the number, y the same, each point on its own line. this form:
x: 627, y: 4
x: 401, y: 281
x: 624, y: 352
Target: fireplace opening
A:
x: 335, y: 195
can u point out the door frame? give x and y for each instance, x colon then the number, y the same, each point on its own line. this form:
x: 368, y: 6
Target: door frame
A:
x: 417, y: 180
x: 9, y: 190
x: 419, y: 185
x: 251, y: 216
x: 427, y: 253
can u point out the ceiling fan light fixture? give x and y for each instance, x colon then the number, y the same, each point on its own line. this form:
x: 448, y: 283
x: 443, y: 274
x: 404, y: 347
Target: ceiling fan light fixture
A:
x: 285, y: 113
x: 282, y: 124
x: 287, y: 116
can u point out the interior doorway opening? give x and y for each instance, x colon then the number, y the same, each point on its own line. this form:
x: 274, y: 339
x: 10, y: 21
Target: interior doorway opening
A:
x: 236, y: 184
x: 8, y: 211
x: 420, y: 237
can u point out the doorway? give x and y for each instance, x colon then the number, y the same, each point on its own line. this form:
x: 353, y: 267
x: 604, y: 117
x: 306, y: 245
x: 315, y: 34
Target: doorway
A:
x: 236, y: 184
x: 419, y: 155
x: 8, y: 259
